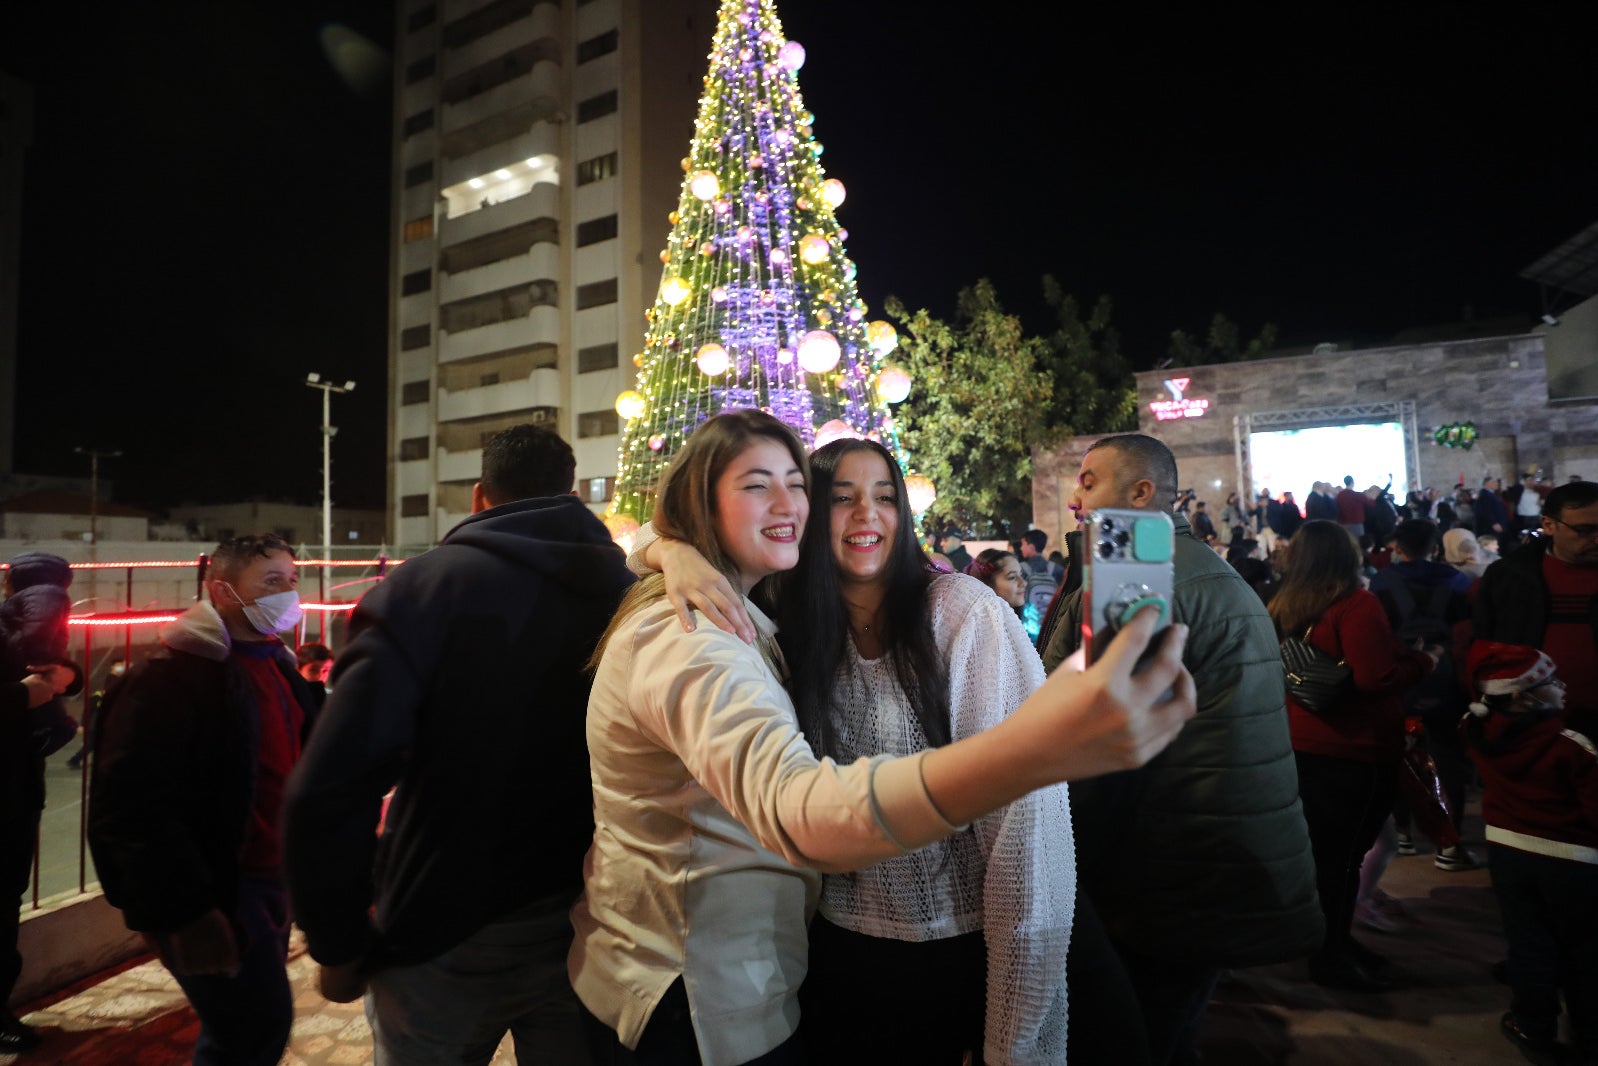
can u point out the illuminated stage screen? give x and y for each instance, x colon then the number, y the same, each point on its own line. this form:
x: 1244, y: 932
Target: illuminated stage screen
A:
x: 1291, y: 460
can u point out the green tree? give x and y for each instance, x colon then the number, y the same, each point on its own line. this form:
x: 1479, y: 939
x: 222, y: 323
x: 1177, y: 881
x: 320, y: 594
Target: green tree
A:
x: 978, y: 402
x: 1223, y: 344
x: 1094, y: 391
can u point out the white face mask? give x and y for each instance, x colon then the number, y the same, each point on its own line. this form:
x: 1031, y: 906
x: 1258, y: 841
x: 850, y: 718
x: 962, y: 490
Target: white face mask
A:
x: 274, y: 614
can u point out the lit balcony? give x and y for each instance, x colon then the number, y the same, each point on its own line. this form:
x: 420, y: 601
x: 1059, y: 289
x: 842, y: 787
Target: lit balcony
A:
x: 542, y: 140
x: 542, y: 202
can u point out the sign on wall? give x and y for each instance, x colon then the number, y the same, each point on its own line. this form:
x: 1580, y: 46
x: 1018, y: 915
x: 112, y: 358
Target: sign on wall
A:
x: 1180, y: 404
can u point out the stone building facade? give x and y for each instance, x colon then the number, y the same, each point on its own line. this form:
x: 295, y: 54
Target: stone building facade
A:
x: 1206, y: 414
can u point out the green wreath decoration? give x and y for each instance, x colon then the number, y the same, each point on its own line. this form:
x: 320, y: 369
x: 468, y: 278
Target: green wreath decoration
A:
x: 1455, y: 435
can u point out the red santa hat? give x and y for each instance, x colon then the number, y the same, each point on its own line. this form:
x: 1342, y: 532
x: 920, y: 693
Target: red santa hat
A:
x: 1505, y: 669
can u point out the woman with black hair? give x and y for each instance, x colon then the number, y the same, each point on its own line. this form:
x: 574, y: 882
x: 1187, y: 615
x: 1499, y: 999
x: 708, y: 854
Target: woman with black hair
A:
x: 886, y: 655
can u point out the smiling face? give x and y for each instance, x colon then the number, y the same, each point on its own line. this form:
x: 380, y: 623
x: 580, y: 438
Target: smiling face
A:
x: 761, y: 508
x: 865, y: 517
x: 1009, y: 583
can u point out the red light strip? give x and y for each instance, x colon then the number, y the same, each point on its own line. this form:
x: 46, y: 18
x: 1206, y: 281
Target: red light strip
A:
x: 328, y: 606
x: 125, y: 618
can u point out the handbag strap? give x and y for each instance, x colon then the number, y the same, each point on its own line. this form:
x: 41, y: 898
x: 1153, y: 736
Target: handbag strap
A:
x: 1338, y: 654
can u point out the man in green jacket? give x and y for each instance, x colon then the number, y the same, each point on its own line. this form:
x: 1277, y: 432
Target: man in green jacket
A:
x: 1200, y: 860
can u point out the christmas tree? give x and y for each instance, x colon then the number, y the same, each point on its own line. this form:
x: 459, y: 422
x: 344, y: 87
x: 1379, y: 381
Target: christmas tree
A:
x: 757, y: 304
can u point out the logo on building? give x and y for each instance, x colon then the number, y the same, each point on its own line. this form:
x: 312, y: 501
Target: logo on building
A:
x: 1179, y: 405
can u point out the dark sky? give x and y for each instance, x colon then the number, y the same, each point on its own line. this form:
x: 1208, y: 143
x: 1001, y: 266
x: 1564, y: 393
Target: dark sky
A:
x: 207, y: 205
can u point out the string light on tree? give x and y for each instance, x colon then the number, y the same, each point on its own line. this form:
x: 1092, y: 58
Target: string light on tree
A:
x: 757, y: 305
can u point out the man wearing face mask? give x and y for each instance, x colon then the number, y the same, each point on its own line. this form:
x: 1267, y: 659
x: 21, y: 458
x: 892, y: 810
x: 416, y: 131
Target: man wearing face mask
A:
x: 193, y: 751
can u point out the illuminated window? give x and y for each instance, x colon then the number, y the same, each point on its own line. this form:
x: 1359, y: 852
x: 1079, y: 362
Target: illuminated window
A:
x: 598, y: 357
x: 596, y: 169
x: 595, y: 230
x: 598, y: 424
x: 418, y: 229
x: 597, y: 106
x: 600, y: 489
x: 596, y: 293
x: 595, y: 47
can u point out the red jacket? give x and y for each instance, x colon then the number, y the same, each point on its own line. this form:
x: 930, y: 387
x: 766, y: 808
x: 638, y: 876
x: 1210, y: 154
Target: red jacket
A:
x: 1539, y: 784
x: 1369, y: 727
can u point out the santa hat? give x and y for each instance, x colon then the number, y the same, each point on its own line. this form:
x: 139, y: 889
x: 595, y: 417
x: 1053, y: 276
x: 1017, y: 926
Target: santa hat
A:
x: 1504, y: 669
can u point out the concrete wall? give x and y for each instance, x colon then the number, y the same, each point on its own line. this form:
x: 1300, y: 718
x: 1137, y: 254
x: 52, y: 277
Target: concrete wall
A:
x: 68, y: 942
x: 1499, y: 383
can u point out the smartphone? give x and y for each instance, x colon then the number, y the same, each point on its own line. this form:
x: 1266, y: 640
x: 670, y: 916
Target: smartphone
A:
x: 1127, y: 565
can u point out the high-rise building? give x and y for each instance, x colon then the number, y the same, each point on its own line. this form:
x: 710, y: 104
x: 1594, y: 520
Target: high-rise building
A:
x: 536, y: 158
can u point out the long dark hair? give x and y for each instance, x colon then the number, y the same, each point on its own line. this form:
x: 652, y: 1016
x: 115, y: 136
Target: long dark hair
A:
x: 815, y: 624
x: 686, y: 506
x: 1323, y: 561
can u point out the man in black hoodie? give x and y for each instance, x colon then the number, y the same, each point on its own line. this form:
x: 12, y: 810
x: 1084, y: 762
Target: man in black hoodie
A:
x: 463, y: 685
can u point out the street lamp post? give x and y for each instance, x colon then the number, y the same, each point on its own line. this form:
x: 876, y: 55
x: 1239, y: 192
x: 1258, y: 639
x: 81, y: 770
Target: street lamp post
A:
x: 328, y: 429
x: 95, y: 455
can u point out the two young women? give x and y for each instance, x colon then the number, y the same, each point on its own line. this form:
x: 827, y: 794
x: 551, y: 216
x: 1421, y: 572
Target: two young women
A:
x: 714, y: 816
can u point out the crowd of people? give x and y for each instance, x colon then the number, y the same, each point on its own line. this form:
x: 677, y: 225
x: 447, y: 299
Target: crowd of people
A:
x: 784, y: 786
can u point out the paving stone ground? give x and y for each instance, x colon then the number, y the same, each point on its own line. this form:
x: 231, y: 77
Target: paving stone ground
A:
x: 1444, y: 1010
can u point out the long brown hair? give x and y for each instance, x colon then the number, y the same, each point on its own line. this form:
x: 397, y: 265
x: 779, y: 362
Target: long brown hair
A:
x: 1323, y: 561
x: 686, y: 507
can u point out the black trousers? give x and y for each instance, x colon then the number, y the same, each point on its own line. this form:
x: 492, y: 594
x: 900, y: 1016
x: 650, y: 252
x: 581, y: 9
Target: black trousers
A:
x: 868, y: 999
x: 1550, y: 911
x: 19, y: 831
x: 668, y: 1039
x: 1107, y: 1023
x: 1345, y: 804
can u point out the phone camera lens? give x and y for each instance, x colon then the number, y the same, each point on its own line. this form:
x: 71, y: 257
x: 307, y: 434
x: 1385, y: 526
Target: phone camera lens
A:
x: 1121, y: 537
x: 1106, y: 550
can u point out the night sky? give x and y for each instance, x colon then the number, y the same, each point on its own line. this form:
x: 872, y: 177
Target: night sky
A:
x: 207, y: 205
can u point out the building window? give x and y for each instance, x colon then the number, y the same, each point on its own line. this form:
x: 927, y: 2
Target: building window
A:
x: 413, y: 448
x: 419, y: 229
x: 600, y: 489
x: 414, y: 506
x: 597, y: 106
x: 596, y: 293
x: 598, y: 357
x: 414, y: 392
x: 485, y: 380
x: 422, y: 120
x: 502, y: 305
x: 598, y: 424
x: 595, y: 230
x: 486, y: 20
x: 419, y: 174
x: 415, y: 337
x: 595, y: 47
x: 422, y: 16
x: 596, y: 169
x: 416, y: 281
x: 420, y: 70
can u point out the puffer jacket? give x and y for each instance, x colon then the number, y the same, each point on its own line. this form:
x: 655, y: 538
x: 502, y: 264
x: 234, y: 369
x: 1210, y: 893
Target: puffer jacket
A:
x: 1202, y: 856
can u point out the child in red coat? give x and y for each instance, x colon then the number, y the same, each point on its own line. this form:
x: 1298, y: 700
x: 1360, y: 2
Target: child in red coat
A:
x: 1540, y: 803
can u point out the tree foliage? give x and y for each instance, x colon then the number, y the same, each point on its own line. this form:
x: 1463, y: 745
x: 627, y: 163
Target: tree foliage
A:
x: 1094, y: 391
x: 980, y: 396
x: 1223, y: 344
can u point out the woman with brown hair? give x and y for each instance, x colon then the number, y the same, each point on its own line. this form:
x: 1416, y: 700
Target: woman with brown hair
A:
x: 1347, y: 756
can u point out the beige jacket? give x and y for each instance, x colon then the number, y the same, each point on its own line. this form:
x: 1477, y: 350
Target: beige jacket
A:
x: 711, y: 817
